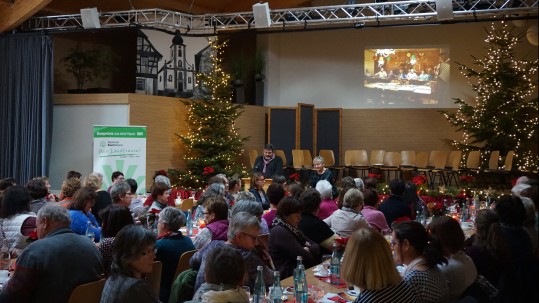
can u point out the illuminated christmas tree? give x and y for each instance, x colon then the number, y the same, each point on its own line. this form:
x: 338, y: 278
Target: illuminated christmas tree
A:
x: 503, y: 115
x: 212, y: 141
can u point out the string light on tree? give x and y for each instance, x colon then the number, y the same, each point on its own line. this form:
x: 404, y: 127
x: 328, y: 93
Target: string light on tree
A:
x: 503, y: 115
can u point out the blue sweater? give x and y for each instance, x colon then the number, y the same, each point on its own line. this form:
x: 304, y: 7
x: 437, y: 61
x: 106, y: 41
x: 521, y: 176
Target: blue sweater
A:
x: 79, y: 223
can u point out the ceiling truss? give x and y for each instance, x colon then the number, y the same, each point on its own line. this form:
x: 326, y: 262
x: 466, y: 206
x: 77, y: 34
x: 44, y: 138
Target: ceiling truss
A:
x: 358, y: 15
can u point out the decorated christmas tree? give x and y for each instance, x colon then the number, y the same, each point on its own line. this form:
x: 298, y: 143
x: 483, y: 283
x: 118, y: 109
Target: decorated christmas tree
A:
x: 503, y: 115
x: 212, y: 141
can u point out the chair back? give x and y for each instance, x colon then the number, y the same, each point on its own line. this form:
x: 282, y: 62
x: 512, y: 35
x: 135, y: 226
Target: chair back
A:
x: 455, y: 162
x: 280, y: 153
x: 438, y: 158
x: 297, y: 158
x: 473, y: 160
x: 349, y: 157
x: 377, y: 156
x: 361, y: 158
x: 183, y: 262
x: 329, y: 157
x: 187, y: 204
x: 392, y: 159
x: 408, y: 158
x: 87, y: 293
x: 508, y: 165
x: 421, y: 159
x: 154, y: 278
x: 307, y: 158
x: 253, y: 154
x: 449, y: 162
x: 493, y: 160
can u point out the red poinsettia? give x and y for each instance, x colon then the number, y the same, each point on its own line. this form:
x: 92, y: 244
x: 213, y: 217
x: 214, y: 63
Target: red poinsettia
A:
x: 154, y: 211
x: 294, y: 177
x: 374, y: 176
x: 208, y: 170
x: 419, y: 180
x: 32, y: 236
x: 341, y: 243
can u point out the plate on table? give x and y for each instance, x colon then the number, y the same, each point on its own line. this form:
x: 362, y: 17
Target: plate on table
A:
x: 349, y: 295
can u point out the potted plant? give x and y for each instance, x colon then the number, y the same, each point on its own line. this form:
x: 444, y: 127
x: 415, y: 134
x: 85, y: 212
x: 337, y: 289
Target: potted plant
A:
x: 238, y: 71
x: 79, y: 63
x: 260, y: 64
x: 102, y: 67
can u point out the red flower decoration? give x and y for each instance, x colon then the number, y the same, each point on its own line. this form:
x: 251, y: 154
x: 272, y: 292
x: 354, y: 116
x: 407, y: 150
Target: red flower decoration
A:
x: 208, y: 170
x: 32, y: 236
x: 342, y: 241
x: 419, y: 180
x: 161, y: 172
x: 294, y: 177
x: 154, y: 211
x: 374, y: 176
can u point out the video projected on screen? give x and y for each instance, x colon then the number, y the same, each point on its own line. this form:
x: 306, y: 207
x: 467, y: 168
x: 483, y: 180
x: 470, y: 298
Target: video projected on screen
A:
x: 407, y: 77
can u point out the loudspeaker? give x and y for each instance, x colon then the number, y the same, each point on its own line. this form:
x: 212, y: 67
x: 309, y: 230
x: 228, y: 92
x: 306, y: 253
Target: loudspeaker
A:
x: 261, y: 13
x: 444, y: 9
x: 90, y: 18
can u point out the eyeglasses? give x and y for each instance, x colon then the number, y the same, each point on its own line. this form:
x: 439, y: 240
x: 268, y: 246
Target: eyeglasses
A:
x: 254, y: 238
x: 205, y: 213
x: 152, y: 251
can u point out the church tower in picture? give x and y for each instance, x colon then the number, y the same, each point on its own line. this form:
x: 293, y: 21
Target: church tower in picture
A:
x: 177, y: 76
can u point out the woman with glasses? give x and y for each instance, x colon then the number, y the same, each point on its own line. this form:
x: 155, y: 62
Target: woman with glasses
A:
x: 133, y: 256
x: 216, y: 220
x: 412, y: 248
x: 257, y: 189
x: 82, y: 219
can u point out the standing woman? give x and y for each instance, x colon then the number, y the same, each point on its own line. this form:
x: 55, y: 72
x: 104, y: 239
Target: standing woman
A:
x: 257, y: 189
x: 16, y: 220
x: 421, y: 257
x: 81, y: 215
x: 133, y: 255
x: 368, y: 264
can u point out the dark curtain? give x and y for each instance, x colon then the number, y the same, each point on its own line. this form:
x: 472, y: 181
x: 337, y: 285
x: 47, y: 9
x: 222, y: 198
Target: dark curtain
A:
x: 26, y: 75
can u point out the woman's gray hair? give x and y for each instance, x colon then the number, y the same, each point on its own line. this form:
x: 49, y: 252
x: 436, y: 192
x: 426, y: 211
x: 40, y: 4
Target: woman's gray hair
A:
x: 97, y: 174
x: 54, y: 213
x: 353, y: 198
x: 163, y: 179
x: 213, y: 190
x: 239, y: 222
x: 245, y: 195
x: 250, y: 206
x: 319, y: 159
x: 118, y: 190
x: 173, y: 217
x: 359, y: 183
x: 324, y: 188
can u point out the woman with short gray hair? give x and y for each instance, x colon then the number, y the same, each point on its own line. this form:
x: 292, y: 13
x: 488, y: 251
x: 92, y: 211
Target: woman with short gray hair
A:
x: 171, y: 244
x: 347, y: 220
x: 255, y: 209
x: 321, y: 172
x: 328, y: 206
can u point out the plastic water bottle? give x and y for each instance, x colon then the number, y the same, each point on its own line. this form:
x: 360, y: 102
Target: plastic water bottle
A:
x: 335, y: 266
x: 276, y: 295
x: 464, y: 212
x: 259, y: 293
x: 189, y: 223
x: 90, y: 231
x: 301, y: 290
x: 5, y: 256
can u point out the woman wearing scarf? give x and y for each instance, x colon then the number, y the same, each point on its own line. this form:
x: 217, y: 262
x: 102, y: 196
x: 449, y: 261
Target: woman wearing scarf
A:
x: 286, y: 241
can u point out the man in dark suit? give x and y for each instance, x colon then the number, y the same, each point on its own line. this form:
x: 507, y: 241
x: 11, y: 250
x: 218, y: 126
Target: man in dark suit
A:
x: 268, y: 164
x: 395, y: 207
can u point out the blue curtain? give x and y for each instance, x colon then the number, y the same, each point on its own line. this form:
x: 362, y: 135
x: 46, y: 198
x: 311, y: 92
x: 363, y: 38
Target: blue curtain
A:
x: 26, y: 104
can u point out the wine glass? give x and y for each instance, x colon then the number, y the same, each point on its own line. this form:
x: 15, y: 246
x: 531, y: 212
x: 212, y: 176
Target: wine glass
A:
x: 317, y: 293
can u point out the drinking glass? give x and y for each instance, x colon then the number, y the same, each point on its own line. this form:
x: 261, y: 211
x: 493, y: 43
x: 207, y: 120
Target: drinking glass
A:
x: 387, y: 235
x: 248, y: 291
x: 317, y: 293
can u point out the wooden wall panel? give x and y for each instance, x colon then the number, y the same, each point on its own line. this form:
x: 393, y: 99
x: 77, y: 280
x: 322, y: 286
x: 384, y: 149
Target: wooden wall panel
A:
x: 252, y: 123
x: 395, y: 129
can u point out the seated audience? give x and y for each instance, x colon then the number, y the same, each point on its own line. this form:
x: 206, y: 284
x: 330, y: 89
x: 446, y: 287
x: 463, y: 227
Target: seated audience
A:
x: 368, y: 264
x: 359, y: 184
x: 102, y: 197
x: 529, y: 223
x: 374, y: 217
x: 460, y: 270
x: 171, y: 244
x: 160, y: 194
x: 411, y: 246
x: 81, y: 215
x: 312, y: 226
x: 348, y: 182
x: 69, y: 187
x: 275, y: 194
x: 370, y: 182
x: 257, y: 189
x: 50, y: 268
x: 161, y: 176
x: 234, y: 186
x: 520, y: 280
x: 340, y: 199
x: 17, y: 221
x: 348, y: 219
x: 295, y: 189
x: 216, y: 220
x: 216, y: 189
x: 121, y: 193
x: 38, y: 191
x: 136, y: 206
x: 287, y: 241
x: 114, y: 218
x: 328, y: 206
x: 132, y: 259
x: 73, y: 174
x: 254, y: 208
x: 116, y: 177
x: 395, y: 207
x: 225, y: 269
x: 242, y: 235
